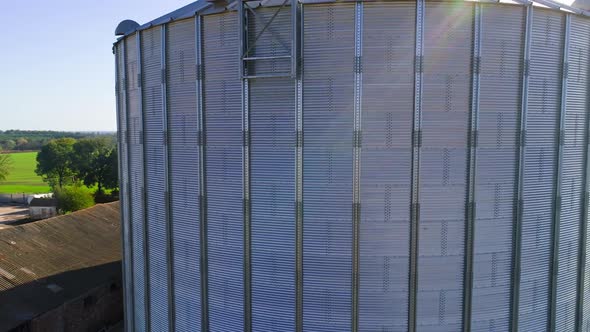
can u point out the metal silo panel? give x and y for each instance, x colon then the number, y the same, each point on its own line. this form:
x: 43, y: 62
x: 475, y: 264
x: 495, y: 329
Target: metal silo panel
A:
x: 540, y: 163
x: 328, y: 90
x: 124, y: 182
x: 136, y: 179
x: 272, y: 127
x: 573, y: 169
x: 151, y: 44
x: 224, y: 172
x: 184, y: 174
x: 496, y: 167
x: 574, y: 161
x: 443, y: 164
x: 272, y: 174
x: 387, y: 109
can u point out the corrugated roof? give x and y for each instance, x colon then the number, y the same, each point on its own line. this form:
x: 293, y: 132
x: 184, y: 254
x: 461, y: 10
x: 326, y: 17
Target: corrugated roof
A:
x: 43, y: 202
x: 41, y: 263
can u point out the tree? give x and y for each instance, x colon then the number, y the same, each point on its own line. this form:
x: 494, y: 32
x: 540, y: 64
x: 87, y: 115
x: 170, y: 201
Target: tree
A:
x: 73, y: 198
x: 95, y: 162
x: 5, y: 166
x: 9, y: 145
x: 21, y: 143
x: 54, y: 162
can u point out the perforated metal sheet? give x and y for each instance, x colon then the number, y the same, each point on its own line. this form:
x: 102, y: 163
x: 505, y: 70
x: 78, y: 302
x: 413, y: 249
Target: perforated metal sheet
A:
x: 224, y: 172
x: 574, y: 159
x: 327, y: 166
x: 272, y: 175
x: 136, y: 180
x: 539, y: 169
x: 151, y: 47
x: 184, y: 174
x: 272, y: 125
x: 496, y: 169
x: 443, y: 165
x: 124, y: 182
x: 572, y: 170
x: 387, y: 109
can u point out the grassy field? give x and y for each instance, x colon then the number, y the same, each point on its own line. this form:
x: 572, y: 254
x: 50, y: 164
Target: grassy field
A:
x: 22, y: 178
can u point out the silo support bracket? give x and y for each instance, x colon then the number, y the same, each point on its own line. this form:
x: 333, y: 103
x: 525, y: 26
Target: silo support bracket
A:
x: 582, y: 254
x: 289, y: 48
x: 202, y: 176
x: 470, y: 217
x: 299, y: 139
x: 517, y: 228
x: 556, y: 229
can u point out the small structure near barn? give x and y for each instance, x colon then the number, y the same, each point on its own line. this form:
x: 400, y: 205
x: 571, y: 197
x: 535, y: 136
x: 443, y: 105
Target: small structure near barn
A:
x: 42, y: 208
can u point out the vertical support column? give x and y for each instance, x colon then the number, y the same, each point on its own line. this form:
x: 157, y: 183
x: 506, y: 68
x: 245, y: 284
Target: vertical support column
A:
x: 148, y: 320
x: 202, y: 176
x: 517, y: 240
x: 167, y: 206
x: 127, y: 244
x: 471, y: 199
x: 558, y: 181
x: 295, y: 40
x: 243, y: 38
x: 416, y: 143
x: 583, y: 234
x: 299, y: 172
x: 357, y: 135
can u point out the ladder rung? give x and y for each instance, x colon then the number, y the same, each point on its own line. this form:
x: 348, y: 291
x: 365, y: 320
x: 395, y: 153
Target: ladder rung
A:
x: 267, y: 57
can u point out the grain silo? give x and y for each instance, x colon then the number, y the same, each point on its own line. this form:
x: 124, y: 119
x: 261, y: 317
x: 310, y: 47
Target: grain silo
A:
x: 365, y: 166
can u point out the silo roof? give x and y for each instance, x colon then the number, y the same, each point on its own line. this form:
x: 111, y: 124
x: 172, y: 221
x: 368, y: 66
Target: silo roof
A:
x: 197, y: 6
x: 183, y: 12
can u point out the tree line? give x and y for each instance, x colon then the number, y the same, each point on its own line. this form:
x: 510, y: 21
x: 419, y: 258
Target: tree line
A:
x: 33, y: 140
x: 75, y: 167
x: 91, y: 161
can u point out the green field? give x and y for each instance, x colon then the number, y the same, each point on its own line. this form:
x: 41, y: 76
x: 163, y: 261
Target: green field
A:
x: 22, y: 178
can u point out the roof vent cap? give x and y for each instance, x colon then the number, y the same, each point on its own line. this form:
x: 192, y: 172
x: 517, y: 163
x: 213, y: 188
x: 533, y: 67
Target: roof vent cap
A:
x: 125, y: 27
x: 582, y: 4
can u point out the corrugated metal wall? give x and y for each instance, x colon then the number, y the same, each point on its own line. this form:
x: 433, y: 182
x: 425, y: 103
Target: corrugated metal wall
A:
x: 576, y: 140
x: 573, y: 169
x: 443, y: 165
x: 272, y: 176
x: 388, y: 82
x: 222, y: 92
x: 183, y: 136
x: 540, y: 165
x: 231, y: 244
x: 496, y: 169
x: 328, y: 87
x: 154, y: 139
x: 120, y: 92
x: 136, y: 180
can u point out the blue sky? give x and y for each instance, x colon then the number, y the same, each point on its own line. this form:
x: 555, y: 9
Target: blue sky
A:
x: 56, y: 63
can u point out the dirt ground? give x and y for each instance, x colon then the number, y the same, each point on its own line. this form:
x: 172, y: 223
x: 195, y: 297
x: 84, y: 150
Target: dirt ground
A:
x: 12, y: 213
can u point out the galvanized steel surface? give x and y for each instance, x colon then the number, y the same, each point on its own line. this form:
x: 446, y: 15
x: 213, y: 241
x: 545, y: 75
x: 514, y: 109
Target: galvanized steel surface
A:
x: 424, y: 170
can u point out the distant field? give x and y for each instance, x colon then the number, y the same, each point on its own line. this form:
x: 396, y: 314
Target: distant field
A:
x: 22, y: 178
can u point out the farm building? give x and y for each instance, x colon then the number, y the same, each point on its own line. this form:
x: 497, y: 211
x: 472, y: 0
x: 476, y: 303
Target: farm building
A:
x: 62, y: 273
x: 322, y: 166
x: 42, y: 208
